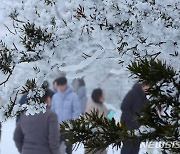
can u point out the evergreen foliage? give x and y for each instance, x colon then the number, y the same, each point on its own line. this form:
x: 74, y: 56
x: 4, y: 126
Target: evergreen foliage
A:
x: 107, y: 32
x: 6, y: 59
x: 163, y: 111
x: 161, y: 114
x: 33, y: 36
x: 95, y: 132
x: 75, y: 35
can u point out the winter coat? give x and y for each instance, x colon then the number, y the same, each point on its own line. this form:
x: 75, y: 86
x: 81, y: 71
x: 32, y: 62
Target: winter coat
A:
x: 66, y: 105
x: 81, y: 92
x: 132, y: 105
x: 38, y: 134
x: 101, y: 108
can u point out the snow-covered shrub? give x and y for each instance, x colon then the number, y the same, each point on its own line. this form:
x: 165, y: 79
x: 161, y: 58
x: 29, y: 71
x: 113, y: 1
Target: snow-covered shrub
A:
x: 91, y: 39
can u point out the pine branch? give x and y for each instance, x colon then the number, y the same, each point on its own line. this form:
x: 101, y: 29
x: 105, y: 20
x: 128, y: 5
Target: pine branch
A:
x: 11, y: 106
x: 7, y: 77
x: 95, y: 132
x: 162, y: 112
x: 34, y: 37
x: 50, y: 2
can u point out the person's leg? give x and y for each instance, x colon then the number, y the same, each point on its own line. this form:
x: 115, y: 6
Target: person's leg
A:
x: 135, y: 146
x: 68, y: 148
x: 131, y: 147
x: 127, y: 146
x: 62, y: 145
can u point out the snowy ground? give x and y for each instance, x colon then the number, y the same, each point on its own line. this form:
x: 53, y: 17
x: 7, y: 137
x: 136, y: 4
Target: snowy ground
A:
x: 8, y: 147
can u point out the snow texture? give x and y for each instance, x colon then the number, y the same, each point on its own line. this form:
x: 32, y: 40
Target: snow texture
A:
x: 94, y: 45
x: 98, y: 47
x: 7, y: 145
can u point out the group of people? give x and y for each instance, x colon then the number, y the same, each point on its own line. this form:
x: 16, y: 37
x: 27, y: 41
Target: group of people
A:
x: 40, y: 133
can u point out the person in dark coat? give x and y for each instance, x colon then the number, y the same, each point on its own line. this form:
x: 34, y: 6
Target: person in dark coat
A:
x: 39, y: 133
x: 132, y: 105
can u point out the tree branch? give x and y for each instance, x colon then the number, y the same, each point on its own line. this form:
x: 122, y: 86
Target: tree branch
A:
x: 7, y: 77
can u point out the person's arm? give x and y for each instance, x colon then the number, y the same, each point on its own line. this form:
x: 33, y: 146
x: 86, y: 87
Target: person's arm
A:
x: 18, y: 137
x: 127, y: 112
x: 54, y: 134
x: 53, y: 103
x: 76, y: 105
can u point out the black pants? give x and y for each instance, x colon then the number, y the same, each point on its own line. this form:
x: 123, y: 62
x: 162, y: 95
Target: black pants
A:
x: 131, y: 147
x: 67, y: 144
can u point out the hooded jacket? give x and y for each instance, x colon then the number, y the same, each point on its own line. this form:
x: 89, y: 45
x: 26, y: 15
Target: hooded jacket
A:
x: 132, y: 105
x: 66, y: 105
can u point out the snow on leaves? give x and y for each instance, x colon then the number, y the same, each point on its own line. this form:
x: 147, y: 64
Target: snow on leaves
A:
x: 86, y: 38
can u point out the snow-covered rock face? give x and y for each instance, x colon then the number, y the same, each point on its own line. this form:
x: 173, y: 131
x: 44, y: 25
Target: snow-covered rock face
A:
x: 94, y: 39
